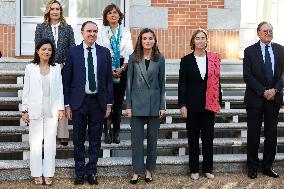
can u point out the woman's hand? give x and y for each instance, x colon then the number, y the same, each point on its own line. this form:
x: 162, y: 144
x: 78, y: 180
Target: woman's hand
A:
x: 129, y: 113
x: 60, y: 114
x: 162, y: 113
x: 116, y: 73
x: 25, y: 117
x: 68, y: 112
x: 183, y: 112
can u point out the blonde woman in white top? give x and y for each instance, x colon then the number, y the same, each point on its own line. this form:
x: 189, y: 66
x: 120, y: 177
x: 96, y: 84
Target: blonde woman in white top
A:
x: 117, y: 39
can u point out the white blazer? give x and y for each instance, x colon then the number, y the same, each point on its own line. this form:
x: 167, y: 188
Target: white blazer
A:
x: 33, y: 94
x: 126, y: 48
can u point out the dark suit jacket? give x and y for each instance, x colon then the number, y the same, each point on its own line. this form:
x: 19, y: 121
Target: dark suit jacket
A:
x: 191, y: 87
x: 145, y: 94
x: 74, y: 77
x: 65, y: 39
x: 254, y: 75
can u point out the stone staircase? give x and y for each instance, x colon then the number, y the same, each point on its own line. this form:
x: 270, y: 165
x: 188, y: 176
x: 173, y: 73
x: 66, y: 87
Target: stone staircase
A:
x: 115, y: 159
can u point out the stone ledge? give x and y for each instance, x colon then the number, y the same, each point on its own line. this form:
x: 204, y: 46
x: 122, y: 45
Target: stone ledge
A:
x: 121, y: 166
x: 14, y: 130
x: 169, y: 112
x: 8, y: 147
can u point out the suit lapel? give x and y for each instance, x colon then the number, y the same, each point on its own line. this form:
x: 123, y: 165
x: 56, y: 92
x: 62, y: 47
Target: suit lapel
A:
x: 142, y: 67
x: 49, y: 33
x: 276, y: 59
x: 99, y: 64
x: 81, y: 61
x: 60, y: 35
x: 260, y: 57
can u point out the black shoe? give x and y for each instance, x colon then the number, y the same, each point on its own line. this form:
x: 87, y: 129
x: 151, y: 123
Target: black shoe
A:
x: 108, y: 138
x: 63, y: 141
x: 79, y: 180
x: 116, y: 139
x: 252, y: 173
x: 270, y: 173
x: 134, y: 181
x: 92, y: 180
x: 149, y: 179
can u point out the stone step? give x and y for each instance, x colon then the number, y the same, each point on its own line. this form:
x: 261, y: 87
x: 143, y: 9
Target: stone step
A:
x: 224, y: 86
x: 16, y: 130
x: 122, y: 166
x: 10, y: 100
x: 8, y: 147
x: 224, y: 75
x: 170, y: 112
x: 169, y: 100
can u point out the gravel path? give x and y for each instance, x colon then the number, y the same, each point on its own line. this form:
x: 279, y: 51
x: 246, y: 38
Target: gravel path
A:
x: 221, y: 181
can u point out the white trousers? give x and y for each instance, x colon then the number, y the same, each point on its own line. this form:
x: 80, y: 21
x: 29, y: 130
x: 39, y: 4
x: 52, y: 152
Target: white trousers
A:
x: 41, y: 129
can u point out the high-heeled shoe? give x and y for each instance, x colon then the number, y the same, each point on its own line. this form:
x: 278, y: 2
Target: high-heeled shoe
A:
x: 48, y: 181
x: 38, y: 180
x: 148, y: 179
x: 134, y: 181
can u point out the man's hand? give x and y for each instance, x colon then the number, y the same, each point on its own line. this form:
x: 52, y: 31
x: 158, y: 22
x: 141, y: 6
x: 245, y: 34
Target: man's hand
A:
x: 68, y: 112
x: 183, y: 112
x: 269, y: 94
x: 108, y: 110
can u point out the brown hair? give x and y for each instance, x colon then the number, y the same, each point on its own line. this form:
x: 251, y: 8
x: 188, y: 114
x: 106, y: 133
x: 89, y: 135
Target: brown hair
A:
x: 261, y: 24
x: 47, y: 13
x: 139, y: 50
x: 108, y: 9
x: 192, y: 45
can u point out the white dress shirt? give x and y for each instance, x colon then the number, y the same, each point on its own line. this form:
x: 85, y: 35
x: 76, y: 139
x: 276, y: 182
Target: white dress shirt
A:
x: 94, y: 54
x: 262, y: 46
x: 55, y: 32
x: 201, y: 63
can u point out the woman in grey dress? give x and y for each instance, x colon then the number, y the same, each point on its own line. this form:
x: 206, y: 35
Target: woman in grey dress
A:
x: 61, y: 34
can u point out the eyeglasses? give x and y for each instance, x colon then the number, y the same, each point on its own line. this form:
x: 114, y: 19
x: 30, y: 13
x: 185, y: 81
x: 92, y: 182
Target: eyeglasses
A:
x: 267, y: 31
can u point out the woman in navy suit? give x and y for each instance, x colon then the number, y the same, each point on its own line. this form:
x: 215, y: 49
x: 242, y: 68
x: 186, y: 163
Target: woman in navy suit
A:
x: 61, y: 34
x: 199, y: 96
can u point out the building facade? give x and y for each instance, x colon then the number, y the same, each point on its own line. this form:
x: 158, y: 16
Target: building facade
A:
x: 231, y: 24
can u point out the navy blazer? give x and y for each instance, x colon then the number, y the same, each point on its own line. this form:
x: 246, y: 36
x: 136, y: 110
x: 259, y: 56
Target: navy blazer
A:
x: 74, y: 77
x: 254, y: 75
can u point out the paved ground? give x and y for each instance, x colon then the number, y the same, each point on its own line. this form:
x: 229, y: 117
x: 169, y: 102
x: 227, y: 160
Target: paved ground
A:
x: 221, y: 181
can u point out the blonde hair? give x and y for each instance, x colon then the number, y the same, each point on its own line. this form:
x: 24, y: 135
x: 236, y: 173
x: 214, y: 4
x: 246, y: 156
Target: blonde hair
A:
x: 47, y: 13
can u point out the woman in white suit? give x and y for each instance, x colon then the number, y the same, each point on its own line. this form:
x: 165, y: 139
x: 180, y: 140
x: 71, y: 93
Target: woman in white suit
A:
x: 42, y: 107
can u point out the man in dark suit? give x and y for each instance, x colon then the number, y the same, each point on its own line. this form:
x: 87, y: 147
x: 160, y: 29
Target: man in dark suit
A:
x: 88, y: 97
x: 263, y: 75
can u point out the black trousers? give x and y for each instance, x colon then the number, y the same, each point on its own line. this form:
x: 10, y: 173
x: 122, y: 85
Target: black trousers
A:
x: 91, y: 114
x: 118, y: 97
x: 196, y: 123
x: 269, y: 111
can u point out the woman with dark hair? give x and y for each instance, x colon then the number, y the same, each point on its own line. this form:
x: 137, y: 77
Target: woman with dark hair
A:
x: 117, y: 39
x: 42, y: 107
x: 61, y: 34
x: 145, y: 99
x: 199, y: 96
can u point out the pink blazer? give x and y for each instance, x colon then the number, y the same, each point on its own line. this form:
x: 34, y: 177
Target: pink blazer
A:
x: 212, y: 91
